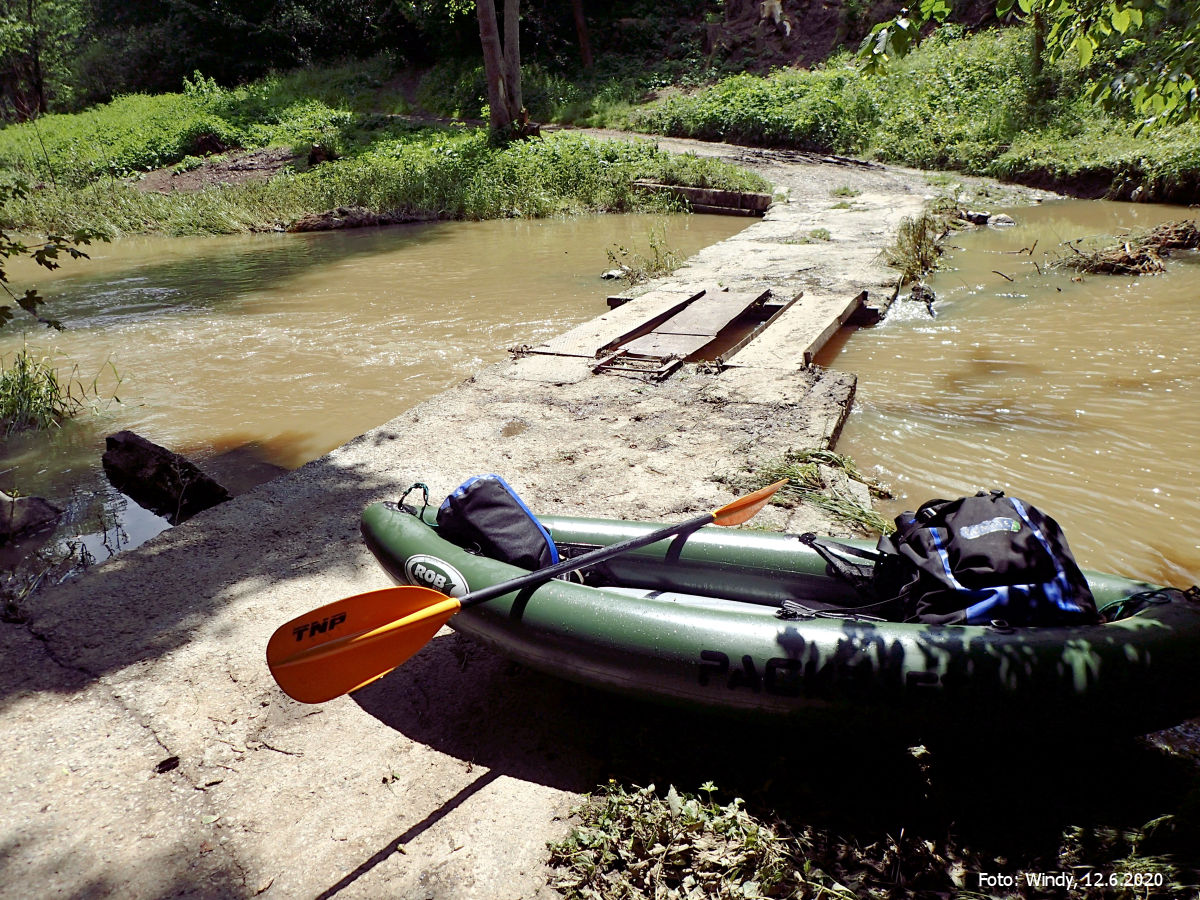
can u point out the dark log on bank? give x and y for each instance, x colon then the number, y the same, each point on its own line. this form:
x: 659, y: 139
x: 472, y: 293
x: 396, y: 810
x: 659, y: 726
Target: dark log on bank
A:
x: 352, y: 217
x: 20, y: 516
x: 158, y: 479
x: 710, y: 200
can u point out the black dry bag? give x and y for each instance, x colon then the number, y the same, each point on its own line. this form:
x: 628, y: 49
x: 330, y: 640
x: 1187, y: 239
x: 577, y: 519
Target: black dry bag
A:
x: 982, y: 559
x: 485, y: 514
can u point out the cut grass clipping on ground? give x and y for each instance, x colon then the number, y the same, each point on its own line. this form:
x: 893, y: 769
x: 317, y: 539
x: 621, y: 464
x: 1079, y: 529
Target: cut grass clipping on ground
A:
x: 634, y: 844
x: 808, y: 481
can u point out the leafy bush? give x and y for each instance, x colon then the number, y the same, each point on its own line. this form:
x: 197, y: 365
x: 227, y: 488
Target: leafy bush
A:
x: 455, y: 88
x: 127, y: 135
x: 827, y: 109
x: 954, y: 104
x: 966, y: 103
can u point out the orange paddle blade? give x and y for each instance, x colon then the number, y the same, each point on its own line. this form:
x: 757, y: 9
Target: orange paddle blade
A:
x: 743, y: 509
x: 349, y: 643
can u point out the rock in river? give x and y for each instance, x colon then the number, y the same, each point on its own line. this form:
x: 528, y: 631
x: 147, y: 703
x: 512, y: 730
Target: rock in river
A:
x: 158, y: 479
x: 25, y: 515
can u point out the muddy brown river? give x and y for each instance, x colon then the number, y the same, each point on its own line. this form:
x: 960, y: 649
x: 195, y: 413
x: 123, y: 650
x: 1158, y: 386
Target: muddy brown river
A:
x: 286, y: 346
x: 1078, y: 395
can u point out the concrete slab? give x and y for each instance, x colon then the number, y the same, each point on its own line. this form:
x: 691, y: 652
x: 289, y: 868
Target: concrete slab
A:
x: 799, y: 333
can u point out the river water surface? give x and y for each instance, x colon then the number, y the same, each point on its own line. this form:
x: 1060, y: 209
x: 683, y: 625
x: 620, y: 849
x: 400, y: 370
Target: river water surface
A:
x: 1080, y: 396
x: 288, y: 345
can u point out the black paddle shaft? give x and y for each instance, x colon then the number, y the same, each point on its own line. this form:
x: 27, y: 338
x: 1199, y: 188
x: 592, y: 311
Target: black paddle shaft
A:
x: 587, y: 559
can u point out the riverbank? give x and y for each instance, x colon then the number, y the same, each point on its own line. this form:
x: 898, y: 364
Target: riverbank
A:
x: 151, y: 752
x: 364, y: 135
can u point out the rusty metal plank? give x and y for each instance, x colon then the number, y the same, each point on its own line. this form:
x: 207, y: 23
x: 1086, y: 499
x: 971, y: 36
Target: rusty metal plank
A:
x: 665, y: 345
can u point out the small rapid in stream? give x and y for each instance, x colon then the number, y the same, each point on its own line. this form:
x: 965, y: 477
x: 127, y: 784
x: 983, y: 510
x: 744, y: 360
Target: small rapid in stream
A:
x: 1076, y: 393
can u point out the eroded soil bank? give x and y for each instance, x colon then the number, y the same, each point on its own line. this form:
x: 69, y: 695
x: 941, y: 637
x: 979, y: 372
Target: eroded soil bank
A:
x: 149, y: 753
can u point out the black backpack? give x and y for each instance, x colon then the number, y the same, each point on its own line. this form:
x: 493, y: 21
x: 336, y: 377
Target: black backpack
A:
x: 484, y: 514
x: 971, y: 561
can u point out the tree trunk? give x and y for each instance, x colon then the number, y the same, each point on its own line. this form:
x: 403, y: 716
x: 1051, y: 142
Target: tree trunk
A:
x: 581, y: 30
x: 493, y: 65
x: 37, y: 83
x: 1039, y: 42
x: 512, y: 57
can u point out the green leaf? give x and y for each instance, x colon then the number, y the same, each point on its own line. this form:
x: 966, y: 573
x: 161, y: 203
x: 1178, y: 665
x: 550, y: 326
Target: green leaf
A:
x: 1121, y: 19
x: 1084, y: 46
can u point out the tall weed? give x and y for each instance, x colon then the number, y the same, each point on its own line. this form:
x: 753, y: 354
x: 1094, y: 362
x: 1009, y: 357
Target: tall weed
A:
x: 33, y: 394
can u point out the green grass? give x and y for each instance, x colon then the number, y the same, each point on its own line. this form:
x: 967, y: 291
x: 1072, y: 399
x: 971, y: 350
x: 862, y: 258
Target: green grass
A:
x: 449, y: 173
x: 78, y: 167
x: 962, y: 103
x: 637, y: 267
x: 139, y: 132
x: 33, y: 394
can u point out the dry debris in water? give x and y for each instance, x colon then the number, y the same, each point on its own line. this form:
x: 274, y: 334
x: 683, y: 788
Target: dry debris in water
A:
x: 1141, y: 255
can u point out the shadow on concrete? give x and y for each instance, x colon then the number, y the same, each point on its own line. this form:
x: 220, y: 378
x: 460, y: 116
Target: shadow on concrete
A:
x: 154, y: 599
x: 1011, y: 800
x: 47, y: 878
x: 409, y: 834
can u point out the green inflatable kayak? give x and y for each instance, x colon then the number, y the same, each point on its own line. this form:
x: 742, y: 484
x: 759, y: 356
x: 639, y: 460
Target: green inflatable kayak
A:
x: 748, y: 621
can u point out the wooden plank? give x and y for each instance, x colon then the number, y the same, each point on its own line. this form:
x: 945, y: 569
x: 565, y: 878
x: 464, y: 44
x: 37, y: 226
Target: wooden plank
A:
x: 648, y: 325
x: 597, y: 336
x: 799, y: 333
x: 711, y: 313
x: 758, y: 329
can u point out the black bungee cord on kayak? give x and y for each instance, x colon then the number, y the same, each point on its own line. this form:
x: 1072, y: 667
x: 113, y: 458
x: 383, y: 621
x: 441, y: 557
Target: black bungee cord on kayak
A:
x: 1135, y: 603
x: 425, y: 496
x: 791, y: 610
